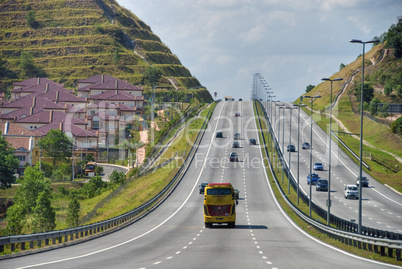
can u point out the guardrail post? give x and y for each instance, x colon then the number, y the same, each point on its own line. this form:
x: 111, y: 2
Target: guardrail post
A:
x: 12, y: 247
x: 398, y: 254
x: 71, y: 236
x: 39, y: 243
x: 390, y: 252
x: 31, y: 244
x: 47, y: 241
x: 22, y: 246
x: 370, y: 247
x: 66, y: 238
x: 1, y: 248
x: 382, y: 250
x: 53, y: 240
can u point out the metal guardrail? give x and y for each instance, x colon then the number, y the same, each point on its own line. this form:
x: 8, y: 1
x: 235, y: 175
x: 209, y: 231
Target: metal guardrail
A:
x: 346, y: 232
x: 350, y: 150
x: 85, y: 232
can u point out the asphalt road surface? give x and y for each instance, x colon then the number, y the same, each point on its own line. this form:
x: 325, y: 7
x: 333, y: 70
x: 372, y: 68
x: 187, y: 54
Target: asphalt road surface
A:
x: 173, y: 236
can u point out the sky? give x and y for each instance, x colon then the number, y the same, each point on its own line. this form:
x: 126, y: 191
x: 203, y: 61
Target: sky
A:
x: 291, y: 43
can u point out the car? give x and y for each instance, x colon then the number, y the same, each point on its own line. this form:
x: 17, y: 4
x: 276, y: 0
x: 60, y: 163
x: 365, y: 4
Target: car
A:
x: 306, y: 145
x: 252, y: 141
x: 318, y: 166
x: 202, y: 187
x: 365, y: 182
x: 240, y: 99
x: 236, y: 144
x: 322, y: 185
x: 314, y: 179
x: 351, y: 191
x: 233, y: 157
x: 219, y: 134
x: 236, y: 136
x: 236, y: 194
x: 237, y: 114
x: 291, y: 148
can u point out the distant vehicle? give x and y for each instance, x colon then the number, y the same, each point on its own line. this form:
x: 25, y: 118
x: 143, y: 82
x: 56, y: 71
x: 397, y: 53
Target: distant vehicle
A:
x: 236, y: 136
x: 351, y: 191
x: 219, y: 134
x: 322, y: 185
x: 306, y: 145
x: 90, y: 169
x: 236, y: 194
x: 318, y: 166
x: 240, y: 99
x: 219, y: 205
x: 252, y: 141
x: 237, y: 114
x: 314, y: 179
x: 365, y: 182
x: 233, y: 157
x: 202, y: 187
x: 236, y: 144
x: 291, y: 148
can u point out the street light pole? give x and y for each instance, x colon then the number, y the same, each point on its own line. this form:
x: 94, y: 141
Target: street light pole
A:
x: 290, y: 142
x: 298, y: 151
x: 359, y: 227
x: 311, y: 145
x: 283, y: 138
x: 330, y: 152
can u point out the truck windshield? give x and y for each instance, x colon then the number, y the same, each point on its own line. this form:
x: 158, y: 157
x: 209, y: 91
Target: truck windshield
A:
x: 219, y: 191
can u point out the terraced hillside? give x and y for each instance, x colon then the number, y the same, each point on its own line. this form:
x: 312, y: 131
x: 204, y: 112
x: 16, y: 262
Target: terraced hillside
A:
x: 75, y: 39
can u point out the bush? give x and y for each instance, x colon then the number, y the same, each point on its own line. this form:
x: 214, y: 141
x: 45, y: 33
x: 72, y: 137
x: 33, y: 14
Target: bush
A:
x: 396, y: 126
x: 47, y: 168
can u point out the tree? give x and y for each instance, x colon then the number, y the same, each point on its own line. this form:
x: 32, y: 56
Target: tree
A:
x: 309, y: 88
x: 341, y: 66
x: 368, y: 92
x: 26, y: 64
x: 44, y: 215
x: 117, y: 177
x: 373, y: 105
x: 30, y: 18
x: 396, y: 126
x: 33, y: 184
x: 116, y: 57
x: 394, y: 39
x: 56, y: 144
x: 73, y: 217
x: 152, y: 74
x: 15, y: 219
x: 8, y: 164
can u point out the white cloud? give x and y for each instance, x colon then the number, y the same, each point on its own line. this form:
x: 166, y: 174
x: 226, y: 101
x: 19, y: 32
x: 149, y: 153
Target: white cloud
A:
x: 292, y: 43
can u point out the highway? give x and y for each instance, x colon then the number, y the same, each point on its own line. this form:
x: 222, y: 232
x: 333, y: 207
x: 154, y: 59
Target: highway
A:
x: 173, y: 235
x: 381, y: 206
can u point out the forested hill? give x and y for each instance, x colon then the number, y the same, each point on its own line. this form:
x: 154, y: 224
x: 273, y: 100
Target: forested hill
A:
x: 67, y: 40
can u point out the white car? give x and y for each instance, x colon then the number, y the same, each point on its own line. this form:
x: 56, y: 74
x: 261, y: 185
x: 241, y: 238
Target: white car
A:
x: 351, y: 191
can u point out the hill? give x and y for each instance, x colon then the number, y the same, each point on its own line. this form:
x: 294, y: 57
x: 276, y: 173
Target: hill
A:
x: 382, y: 149
x: 67, y: 40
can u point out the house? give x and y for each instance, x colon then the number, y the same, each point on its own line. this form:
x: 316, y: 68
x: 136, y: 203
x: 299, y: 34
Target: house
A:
x: 23, y: 141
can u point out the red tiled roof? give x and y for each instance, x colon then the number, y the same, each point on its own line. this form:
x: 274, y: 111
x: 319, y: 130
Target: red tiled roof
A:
x: 116, y: 95
x: 72, y: 128
x: 45, y: 117
x: 22, y: 112
x: 16, y: 129
x: 32, y: 100
x: 34, y: 81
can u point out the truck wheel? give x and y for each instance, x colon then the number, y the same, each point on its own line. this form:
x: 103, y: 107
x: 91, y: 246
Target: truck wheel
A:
x: 208, y: 225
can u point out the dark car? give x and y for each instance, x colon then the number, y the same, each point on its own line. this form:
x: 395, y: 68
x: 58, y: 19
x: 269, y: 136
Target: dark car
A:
x: 322, y: 185
x: 365, y: 182
x: 306, y: 145
x: 237, y: 114
x: 240, y: 99
x: 236, y: 136
x: 314, y: 179
x: 236, y: 144
x: 291, y: 148
x: 202, y: 187
x: 233, y: 157
x: 219, y: 134
x: 252, y: 141
x: 318, y: 166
